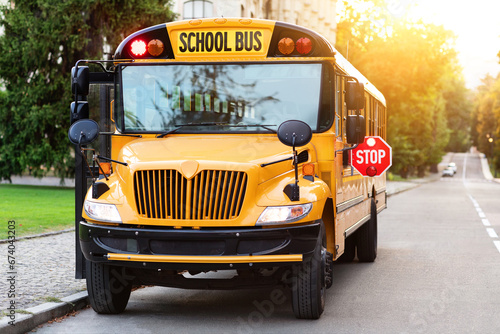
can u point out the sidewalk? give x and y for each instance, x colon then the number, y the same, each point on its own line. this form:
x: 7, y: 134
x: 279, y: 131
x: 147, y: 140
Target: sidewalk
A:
x: 44, y: 181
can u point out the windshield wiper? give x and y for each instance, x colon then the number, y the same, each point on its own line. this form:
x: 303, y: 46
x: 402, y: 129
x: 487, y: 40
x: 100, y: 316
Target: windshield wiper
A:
x: 180, y: 126
x: 264, y: 126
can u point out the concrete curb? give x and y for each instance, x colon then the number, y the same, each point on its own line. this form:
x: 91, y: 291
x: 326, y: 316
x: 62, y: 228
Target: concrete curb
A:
x: 42, y: 313
x: 486, y: 169
x: 401, y: 188
x: 48, y: 234
x: 397, y: 187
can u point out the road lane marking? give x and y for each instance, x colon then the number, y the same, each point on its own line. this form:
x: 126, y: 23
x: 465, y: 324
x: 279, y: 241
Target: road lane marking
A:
x: 492, y: 233
x: 476, y: 204
x: 497, y: 244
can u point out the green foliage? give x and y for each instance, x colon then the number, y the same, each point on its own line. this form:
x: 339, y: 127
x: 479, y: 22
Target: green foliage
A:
x: 486, y: 125
x: 458, y: 112
x: 42, y: 41
x: 414, y: 65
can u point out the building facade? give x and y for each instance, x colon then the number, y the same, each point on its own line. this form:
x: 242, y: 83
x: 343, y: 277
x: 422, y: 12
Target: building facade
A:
x: 317, y: 15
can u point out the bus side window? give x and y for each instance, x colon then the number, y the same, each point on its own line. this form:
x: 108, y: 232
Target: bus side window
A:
x: 345, y: 155
x: 338, y: 107
x: 367, y: 113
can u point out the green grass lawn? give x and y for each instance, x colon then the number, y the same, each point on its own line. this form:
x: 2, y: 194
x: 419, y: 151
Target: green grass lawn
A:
x: 36, y: 209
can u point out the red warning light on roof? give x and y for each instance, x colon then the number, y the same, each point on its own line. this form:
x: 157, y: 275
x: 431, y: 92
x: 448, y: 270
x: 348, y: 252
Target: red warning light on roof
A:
x: 303, y: 45
x: 138, y: 48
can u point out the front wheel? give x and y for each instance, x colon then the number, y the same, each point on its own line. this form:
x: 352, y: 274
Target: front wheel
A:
x: 309, y: 283
x: 108, y: 288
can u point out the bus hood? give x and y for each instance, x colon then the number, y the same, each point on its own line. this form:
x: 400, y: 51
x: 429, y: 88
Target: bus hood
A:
x: 227, y: 152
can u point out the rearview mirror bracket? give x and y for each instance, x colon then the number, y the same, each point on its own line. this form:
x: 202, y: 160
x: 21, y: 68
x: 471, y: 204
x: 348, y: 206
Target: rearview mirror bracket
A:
x: 294, y: 133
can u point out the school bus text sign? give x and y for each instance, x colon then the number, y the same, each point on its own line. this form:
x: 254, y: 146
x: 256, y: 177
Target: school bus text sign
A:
x: 221, y: 42
x: 373, y: 157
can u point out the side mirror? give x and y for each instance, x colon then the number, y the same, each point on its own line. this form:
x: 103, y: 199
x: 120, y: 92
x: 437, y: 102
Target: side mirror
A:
x: 356, y: 129
x: 294, y: 133
x: 83, y: 132
x: 355, y: 95
x: 80, y: 80
x: 79, y: 110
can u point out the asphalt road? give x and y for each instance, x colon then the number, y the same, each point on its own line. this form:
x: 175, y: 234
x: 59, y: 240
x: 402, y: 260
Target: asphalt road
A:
x: 437, y: 271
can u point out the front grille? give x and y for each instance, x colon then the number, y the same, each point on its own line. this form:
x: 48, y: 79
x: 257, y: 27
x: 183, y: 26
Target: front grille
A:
x: 211, y: 194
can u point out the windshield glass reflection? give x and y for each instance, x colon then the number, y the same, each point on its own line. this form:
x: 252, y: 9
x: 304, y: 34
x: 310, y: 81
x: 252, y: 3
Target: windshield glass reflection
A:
x: 158, y: 98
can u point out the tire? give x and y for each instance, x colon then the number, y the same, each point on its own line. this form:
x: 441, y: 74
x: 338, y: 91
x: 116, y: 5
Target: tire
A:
x: 108, y: 288
x: 349, y: 250
x: 308, y: 290
x: 367, y: 237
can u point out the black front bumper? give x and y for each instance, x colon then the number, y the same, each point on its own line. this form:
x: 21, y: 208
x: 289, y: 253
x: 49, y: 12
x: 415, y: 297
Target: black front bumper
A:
x: 151, y: 248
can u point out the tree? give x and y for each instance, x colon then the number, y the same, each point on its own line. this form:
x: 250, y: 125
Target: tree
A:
x: 458, y: 110
x: 486, y: 130
x: 42, y: 41
x: 410, y: 62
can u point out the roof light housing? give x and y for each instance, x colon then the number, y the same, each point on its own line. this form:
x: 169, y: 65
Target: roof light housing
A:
x: 149, y: 43
x: 306, y: 42
x: 294, y: 46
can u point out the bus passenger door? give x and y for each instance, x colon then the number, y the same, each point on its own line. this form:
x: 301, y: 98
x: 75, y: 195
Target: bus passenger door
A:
x: 340, y: 160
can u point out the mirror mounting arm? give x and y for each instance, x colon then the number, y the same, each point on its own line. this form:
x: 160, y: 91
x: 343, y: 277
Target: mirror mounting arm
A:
x: 82, y: 151
x: 115, y: 161
x: 347, y: 76
x: 346, y: 149
x: 295, y: 160
x: 96, y: 158
x: 275, y: 162
x: 292, y: 190
x: 294, y: 133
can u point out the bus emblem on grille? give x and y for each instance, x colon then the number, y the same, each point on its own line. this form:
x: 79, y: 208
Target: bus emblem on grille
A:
x: 189, y: 168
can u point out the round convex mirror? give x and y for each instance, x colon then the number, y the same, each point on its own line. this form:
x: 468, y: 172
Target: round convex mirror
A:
x: 83, y: 132
x: 294, y: 132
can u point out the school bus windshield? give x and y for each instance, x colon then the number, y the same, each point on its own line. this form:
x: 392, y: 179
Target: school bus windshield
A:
x: 158, y: 98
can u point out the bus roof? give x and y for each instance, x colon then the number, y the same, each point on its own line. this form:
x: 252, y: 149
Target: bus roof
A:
x: 222, y: 37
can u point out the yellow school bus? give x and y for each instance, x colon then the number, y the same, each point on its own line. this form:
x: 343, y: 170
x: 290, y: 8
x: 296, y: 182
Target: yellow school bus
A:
x: 228, y: 151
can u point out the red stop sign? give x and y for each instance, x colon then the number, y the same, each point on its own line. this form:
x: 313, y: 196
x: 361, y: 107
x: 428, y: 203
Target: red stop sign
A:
x: 373, y: 157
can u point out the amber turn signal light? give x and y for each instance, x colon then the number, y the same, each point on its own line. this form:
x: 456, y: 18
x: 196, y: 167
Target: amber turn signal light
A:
x: 286, y: 45
x: 105, y: 167
x: 155, y: 47
x: 308, y: 169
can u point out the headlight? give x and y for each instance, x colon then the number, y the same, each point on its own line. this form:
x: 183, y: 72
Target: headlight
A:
x: 284, y: 214
x: 102, y: 212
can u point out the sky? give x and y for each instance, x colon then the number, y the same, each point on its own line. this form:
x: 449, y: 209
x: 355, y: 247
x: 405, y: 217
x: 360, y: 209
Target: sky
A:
x: 476, y: 24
